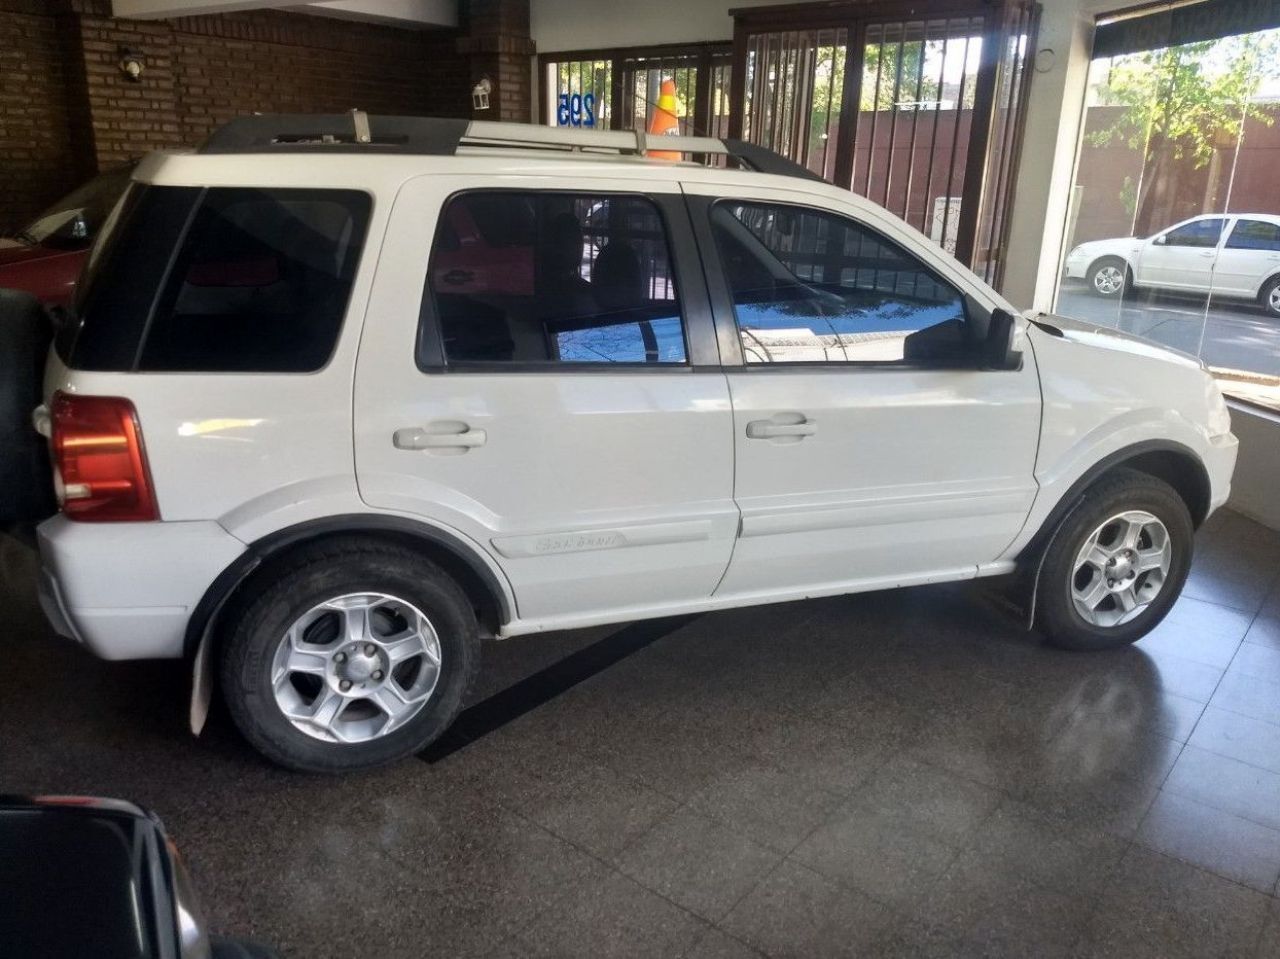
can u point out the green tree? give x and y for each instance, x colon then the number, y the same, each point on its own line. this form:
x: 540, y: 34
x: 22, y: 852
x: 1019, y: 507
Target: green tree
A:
x: 1181, y: 105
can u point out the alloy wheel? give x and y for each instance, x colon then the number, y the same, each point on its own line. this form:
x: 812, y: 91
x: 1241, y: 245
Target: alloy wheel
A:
x: 1108, y: 280
x: 1121, y: 568
x: 356, y: 667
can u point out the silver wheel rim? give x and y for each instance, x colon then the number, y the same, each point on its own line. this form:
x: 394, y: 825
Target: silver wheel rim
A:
x: 1108, y: 280
x: 1121, y: 568
x: 1274, y: 300
x: 356, y: 667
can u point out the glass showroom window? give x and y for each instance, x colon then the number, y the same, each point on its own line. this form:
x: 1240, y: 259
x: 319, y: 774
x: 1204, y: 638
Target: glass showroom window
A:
x: 1173, y: 232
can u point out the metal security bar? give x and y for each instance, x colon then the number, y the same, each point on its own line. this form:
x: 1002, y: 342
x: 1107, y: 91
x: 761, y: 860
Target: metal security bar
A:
x: 920, y: 114
x: 621, y: 88
x: 794, y: 90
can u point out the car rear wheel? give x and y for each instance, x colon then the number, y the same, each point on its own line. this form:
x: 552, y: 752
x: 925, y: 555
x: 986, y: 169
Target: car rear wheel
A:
x: 1109, y: 276
x: 1116, y: 564
x: 357, y: 654
x: 1271, y: 297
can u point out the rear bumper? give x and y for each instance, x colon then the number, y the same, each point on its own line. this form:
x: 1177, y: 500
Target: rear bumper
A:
x: 127, y: 590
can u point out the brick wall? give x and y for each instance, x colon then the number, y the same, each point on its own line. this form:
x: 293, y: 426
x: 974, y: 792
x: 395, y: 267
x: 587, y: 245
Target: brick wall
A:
x: 37, y: 160
x: 66, y: 109
x: 273, y: 62
x: 499, y: 47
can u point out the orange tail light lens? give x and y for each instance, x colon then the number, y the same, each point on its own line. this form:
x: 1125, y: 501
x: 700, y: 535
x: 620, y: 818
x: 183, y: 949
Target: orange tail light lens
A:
x: 102, y: 472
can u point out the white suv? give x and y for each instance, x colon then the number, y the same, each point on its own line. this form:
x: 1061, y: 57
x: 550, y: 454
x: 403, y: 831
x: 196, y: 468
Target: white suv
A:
x: 341, y: 395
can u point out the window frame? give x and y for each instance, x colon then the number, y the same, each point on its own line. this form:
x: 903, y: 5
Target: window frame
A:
x: 691, y: 295
x: 1222, y: 231
x: 1241, y: 221
x: 727, y: 330
x: 167, y: 290
x: 182, y: 203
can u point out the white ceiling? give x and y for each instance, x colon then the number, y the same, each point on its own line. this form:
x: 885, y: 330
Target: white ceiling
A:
x: 405, y: 13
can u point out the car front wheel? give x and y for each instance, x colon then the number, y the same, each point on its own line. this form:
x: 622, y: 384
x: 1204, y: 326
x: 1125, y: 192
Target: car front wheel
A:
x: 1109, y: 276
x: 356, y: 654
x: 1116, y: 564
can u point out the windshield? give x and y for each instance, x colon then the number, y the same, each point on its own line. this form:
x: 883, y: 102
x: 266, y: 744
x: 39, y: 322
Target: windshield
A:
x: 74, y: 220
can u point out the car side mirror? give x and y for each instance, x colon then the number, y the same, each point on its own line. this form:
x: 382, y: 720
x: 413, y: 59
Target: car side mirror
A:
x: 998, y: 351
x: 1160, y: 240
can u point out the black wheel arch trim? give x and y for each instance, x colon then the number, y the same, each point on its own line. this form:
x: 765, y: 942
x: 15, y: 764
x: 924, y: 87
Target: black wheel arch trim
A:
x: 1093, y: 265
x: 260, y: 551
x: 1031, y: 558
x: 1095, y: 472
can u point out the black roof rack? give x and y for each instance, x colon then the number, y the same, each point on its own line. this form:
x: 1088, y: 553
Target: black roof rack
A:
x: 357, y: 132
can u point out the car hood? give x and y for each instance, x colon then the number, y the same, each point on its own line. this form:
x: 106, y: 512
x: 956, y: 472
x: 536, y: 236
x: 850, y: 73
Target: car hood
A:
x: 1102, y: 337
x: 1110, y: 245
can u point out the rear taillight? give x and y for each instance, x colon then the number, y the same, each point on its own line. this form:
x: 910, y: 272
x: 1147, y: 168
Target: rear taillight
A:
x: 101, y: 465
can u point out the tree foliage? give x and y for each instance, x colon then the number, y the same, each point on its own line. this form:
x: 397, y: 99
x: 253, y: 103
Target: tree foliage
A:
x: 1189, y: 99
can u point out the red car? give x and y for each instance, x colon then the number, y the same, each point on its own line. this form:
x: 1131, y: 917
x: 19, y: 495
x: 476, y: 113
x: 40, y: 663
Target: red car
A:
x: 44, y: 259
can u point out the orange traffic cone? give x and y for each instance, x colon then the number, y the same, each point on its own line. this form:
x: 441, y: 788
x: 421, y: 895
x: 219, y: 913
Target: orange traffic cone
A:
x: 664, y: 121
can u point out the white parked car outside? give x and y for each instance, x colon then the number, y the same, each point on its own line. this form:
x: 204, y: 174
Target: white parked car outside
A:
x: 338, y: 397
x: 1234, y: 255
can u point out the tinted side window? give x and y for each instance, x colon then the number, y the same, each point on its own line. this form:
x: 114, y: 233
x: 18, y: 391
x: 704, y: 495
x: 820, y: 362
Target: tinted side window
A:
x: 562, y: 278
x: 1201, y: 233
x: 260, y: 283
x: 812, y: 286
x: 1254, y: 235
x: 118, y: 284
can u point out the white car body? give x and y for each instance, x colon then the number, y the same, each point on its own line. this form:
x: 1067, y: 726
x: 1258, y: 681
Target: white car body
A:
x: 1238, y: 264
x: 606, y: 496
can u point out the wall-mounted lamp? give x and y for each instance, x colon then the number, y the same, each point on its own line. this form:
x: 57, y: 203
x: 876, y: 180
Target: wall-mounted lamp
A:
x: 480, y: 94
x: 131, y: 64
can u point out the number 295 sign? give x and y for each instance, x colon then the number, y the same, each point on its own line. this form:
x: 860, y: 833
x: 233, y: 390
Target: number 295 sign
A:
x: 576, y: 110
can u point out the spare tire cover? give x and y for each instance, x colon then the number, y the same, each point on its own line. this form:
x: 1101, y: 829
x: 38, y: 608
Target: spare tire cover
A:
x: 26, y: 490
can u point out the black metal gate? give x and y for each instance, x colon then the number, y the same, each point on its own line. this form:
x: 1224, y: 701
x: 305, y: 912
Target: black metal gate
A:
x: 919, y: 114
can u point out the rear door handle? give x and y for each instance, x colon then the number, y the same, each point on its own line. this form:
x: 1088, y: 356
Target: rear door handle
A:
x: 447, y: 435
x: 779, y: 427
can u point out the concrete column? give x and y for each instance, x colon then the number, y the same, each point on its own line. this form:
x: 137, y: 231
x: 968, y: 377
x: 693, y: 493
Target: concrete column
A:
x: 1049, y: 147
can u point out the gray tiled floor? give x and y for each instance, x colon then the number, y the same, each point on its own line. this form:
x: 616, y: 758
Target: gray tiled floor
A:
x: 896, y: 774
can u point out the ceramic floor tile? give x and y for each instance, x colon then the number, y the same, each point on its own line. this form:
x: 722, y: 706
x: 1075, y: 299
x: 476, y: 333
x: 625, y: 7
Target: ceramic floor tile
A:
x: 880, y: 854
x: 698, y: 863
x: 1257, y: 662
x: 1156, y: 907
x: 1249, y: 740
x: 1214, y: 840
x: 1265, y: 630
x: 1249, y: 792
x: 1200, y: 631
x: 796, y: 912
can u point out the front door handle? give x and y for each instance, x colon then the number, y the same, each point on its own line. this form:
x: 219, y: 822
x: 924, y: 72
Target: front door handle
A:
x: 782, y: 425
x: 448, y: 435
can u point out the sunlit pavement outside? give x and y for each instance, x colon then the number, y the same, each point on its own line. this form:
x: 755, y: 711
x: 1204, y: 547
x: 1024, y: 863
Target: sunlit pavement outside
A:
x: 1237, y: 336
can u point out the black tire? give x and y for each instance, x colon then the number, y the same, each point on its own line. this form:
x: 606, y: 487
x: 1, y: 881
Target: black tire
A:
x: 1106, y: 263
x: 26, y: 483
x: 308, y: 577
x: 1119, y: 491
x: 1270, y: 301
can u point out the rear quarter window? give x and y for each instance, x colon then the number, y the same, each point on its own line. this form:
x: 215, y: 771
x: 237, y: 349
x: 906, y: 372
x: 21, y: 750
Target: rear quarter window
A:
x: 221, y: 280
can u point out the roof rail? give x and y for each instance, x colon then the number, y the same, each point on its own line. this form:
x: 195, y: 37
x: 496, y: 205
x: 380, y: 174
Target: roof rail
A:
x: 357, y: 132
